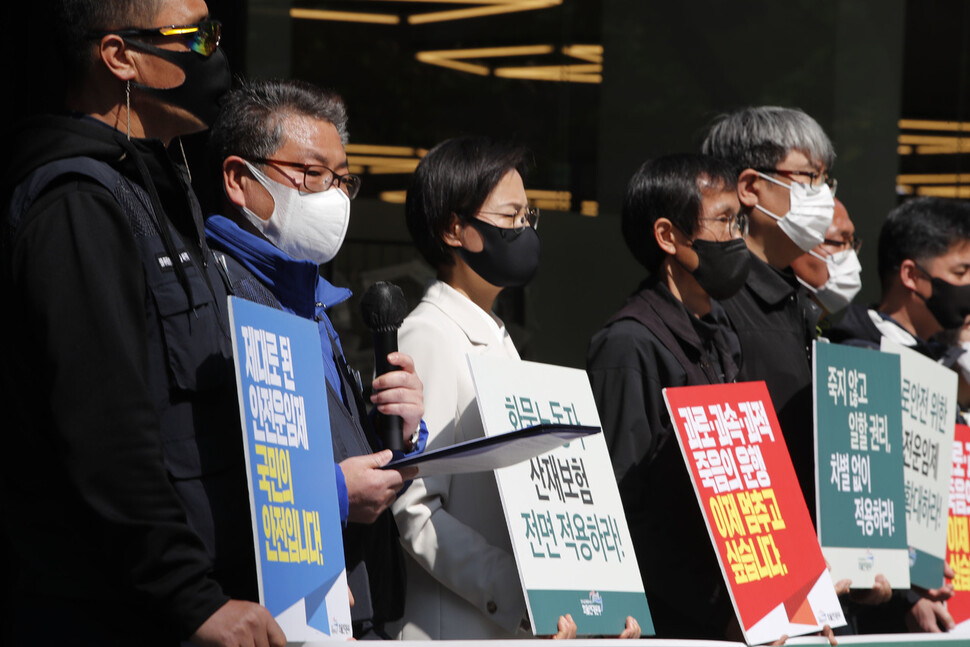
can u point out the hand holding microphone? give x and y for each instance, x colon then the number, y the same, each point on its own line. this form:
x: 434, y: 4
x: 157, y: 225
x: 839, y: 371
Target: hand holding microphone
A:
x: 397, y: 389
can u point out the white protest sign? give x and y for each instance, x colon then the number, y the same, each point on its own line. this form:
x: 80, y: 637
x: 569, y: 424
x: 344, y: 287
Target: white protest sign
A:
x: 568, y: 530
x: 929, y: 401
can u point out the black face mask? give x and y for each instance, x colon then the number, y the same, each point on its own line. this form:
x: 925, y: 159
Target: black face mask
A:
x: 949, y: 304
x: 508, y: 258
x: 722, y: 267
x: 207, y: 80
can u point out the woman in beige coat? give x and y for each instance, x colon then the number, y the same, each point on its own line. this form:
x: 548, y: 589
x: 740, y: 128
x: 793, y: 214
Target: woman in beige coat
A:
x: 468, y: 214
x: 462, y: 578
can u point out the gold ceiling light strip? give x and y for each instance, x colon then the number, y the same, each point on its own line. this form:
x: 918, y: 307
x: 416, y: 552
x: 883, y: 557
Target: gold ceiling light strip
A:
x: 553, y: 200
x: 345, y: 16
x: 543, y: 194
x: 590, y: 53
x: 588, y: 72
x: 373, y: 159
x: 927, y: 124
x: 963, y: 147
x: 489, y: 52
x: 384, y: 165
x: 394, y: 197
x: 391, y: 169
x: 568, y: 73
x: 944, y: 191
x: 452, y: 1
x: 470, y: 68
x: 448, y: 58
x: 933, y: 140
x: 373, y: 149
x: 934, y: 178
x: 509, y: 6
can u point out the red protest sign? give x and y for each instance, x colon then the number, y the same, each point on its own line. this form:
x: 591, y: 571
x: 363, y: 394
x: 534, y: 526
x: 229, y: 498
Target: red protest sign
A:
x: 958, y: 527
x: 756, y: 516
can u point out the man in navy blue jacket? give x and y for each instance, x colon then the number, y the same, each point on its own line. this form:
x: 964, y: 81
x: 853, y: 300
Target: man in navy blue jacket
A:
x: 280, y: 148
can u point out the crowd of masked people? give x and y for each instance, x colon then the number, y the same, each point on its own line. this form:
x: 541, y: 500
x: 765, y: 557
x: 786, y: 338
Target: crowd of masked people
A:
x: 126, y: 510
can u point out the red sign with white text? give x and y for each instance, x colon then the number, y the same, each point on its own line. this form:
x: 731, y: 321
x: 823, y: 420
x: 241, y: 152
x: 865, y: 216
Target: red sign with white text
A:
x: 958, y: 527
x: 756, y: 515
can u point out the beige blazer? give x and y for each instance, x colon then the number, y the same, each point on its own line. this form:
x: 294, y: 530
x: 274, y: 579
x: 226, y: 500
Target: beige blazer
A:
x: 462, y: 578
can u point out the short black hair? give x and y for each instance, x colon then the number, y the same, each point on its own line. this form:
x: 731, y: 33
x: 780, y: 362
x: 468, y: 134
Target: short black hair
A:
x: 669, y: 187
x: 921, y: 229
x: 76, y: 20
x: 455, y: 177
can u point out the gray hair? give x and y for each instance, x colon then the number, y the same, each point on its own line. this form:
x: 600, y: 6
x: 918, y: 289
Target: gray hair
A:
x: 251, y: 121
x: 761, y: 137
x: 75, y: 20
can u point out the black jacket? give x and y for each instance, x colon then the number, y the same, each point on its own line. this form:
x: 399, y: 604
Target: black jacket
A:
x: 856, y: 328
x: 653, y: 343
x: 775, y: 318
x: 120, y: 399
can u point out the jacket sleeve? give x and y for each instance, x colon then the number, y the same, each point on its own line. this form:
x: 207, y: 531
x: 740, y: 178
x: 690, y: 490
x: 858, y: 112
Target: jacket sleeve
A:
x: 76, y: 268
x: 456, y: 554
x: 624, y: 379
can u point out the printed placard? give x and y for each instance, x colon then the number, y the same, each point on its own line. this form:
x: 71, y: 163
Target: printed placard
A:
x: 569, y: 533
x: 929, y: 410
x: 289, y: 458
x: 860, y: 495
x: 755, y: 513
x: 958, y: 530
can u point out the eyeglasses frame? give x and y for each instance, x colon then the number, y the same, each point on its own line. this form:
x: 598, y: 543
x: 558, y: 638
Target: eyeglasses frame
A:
x: 169, y: 31
x: 337, y: 179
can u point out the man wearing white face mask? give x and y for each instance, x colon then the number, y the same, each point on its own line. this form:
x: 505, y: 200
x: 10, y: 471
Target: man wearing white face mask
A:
x: 782, y: 157
x: 831, y: 271
x: 281, y: 161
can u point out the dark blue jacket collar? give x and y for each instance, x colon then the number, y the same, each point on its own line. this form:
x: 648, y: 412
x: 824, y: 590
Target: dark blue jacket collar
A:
x: 297, y: 284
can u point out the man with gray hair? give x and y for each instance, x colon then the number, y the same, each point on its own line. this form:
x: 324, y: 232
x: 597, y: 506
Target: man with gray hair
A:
x: 279, y: 146
x: 782, y: 157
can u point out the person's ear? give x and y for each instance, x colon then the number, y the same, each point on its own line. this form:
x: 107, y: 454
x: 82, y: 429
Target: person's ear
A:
x: 909, y: 274
x: 235, y: 175
x: 748, y: 191
x: 452, y: 234
x: 664, y: 233
x: 117, y: 57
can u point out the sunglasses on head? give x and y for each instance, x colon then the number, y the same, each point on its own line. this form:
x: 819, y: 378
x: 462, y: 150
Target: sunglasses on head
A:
x: 202, y: 38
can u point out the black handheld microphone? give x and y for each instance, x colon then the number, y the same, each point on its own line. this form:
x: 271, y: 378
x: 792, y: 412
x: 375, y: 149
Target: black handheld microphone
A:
x: 383, y: 307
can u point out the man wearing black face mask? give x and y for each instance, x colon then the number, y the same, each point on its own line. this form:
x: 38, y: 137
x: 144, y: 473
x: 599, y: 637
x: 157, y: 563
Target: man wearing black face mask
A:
x: 681, y: 222
x: 924, y: 266
x: 126, y: 513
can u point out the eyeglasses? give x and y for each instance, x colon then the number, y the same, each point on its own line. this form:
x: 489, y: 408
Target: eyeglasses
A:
x: 815, y: 179
x: 317, y: 178
x: 855, y: 244
x: 727, y: 225
x: 525, y: 217
x: 202, y: 38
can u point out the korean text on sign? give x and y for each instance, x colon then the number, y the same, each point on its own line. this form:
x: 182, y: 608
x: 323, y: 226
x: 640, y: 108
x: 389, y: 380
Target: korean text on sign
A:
x: 725, y: 445
x: 278, y: 415
x: 573, y: 536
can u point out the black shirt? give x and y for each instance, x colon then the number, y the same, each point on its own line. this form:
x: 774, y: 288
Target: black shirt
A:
x: 775, y: 320
x: 651, y: 344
